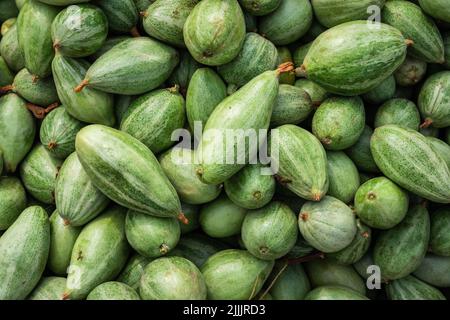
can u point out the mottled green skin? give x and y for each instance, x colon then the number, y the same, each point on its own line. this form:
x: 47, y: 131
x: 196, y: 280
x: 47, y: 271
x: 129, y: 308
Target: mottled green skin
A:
x: 410, y: 72
x: 48, y: 288
x: 63, y: 2
x: 401, y: 112
x: 436, y: 8
x: 247, y: 110
x: 343, y: 176
x: 434, y: 270
x: 132, y: 67
x: 62, y: 240
x: 133, y: 270
x: 153, y: 117
x: 100, y: 252
x: 334, y: 293
x: 8, y: 10
x: 7, y: 24
x: 68, y: 73
x: 288, y: 23
x: 329, y: 273
x: 182, y: 74
x: 40, y: 91
x: 260, y: 7
x: 257, y: 56
x: 360, y: 152
x: 328, y: 225
x: 440, y: 232
x: 434, y: 99
x: 284, y: 55
x: 270, y: 232
x: 6, y: 75
x: 330, y: 13
x: 380, y: 203
x: 113, y: 290
x: 172, y: 278
x: 13, y: 200
x: 192, y: 213
x: 77, y: 199
x: 33, y: 30
x: 197, y: 248
x: 339, y: 122
x: 315, y: 92
x: 11, y: 51
x: 17, y: 129
x: 122, y: 14
x: 411, y: 288
x: 142, y: 5
x: 406, y: 157
x: 235, y: 275
x: 206, y: 90
x: 164, y: 20
x: 301, y: 162
x: 126, y: 171
x: 441, y: 148
x: 354, y: 57
x: 214, y: 32
x: 291, y: 284
x: 79, y: 30
x: 150, y: 236
x: 38, y: 172
x: 381, y: 93
x: 58, y: 131
x: 293, y: 105
x: 108, y: 45
x: 179, y: 166
x: 400, y: 250
x: 411, y: 21
x: 356, y: 249
x: 222, y: 218
x: 24, y: 250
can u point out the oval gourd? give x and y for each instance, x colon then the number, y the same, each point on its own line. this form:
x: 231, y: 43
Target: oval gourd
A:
x: 411, y: 288
x: 10, y: 50
x: 433, y: 100
x: 293, y: 105
x: 360, y: 152
x: 436, y: 8
x: 381, y: 93
x: 38, y: 91
x: 122, y: 15
x: 113, y: 290
x: 342, y: 175
x: 315, y: 92
x: 401, y: 112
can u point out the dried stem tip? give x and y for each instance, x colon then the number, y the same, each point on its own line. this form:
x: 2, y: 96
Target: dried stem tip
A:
x: 6, y: 89
x: 65, y: 296
x: 409, y: 42
x: 285, y: 67
x: 174, y: 89
x: 135, y: 32
x: 183, y: 218
x: 426, y: 123
x: 80, y: 87
x: 300, y: 72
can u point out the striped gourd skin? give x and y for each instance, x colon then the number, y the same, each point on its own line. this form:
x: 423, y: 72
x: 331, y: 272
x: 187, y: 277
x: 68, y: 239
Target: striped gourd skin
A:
x: 206, y: 90
x: 100, y: 252
x: 58, y: 131
x: 410, y: 72
x: 153, y: 117
x: 406, y: 157
x: 33, y: 30
x: 113, y: 290
x: 235, y: 275
x: 214, y: 32
x: 401, y: 112
x: 438, y: 9
x: 182, y: 74
x: 245, y: 110
x: 126, y: 171
x: 260, y: 7
x: 434, y: 99
x: 356, y: 249
x: 355, y: 57
x: 381, y: 93
x: 77, y: 199
x: 249, y: 188
x: 132, y: 67
x: 6, y: 75
x: 178, y: 165
x: 360, y: 152
x: 122, y: 14
x: 24, y: 250
x: 151, y: 236
x: 301, y: 162
x: 63, y: 2
x: 288, y: 23
x: 62, y: 240
x: 291, y: 284
x: 325, y: 272
x: 13, y: 200
x: 334, y: 293
x: 82, y: 38
x: 330, y: 13
x: 164, y: 20
x: 434, y: 270
x: 172, y: 278
x: 440, y: 232
x: 293, y: 105
x: 400, y: 250
x: 38, y: 172
x: 270, y: 232
x: 315, y: 92
x: 11, y: 51
x: 343, y: 176
x: 68, y: 73
x: 133, y: 270
x: 49, y: 288
x: 38, y: 91
x: 328, y: 225
x: 411, y: 288
x: 416, y: 26
x: 17, y: 130
x: 441, y: 148
x: 257, y: 56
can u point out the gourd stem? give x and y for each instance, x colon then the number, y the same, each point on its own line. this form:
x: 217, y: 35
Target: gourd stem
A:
x: 6, y: 89
x: 183, y: 218
x: 80, y: 87
x: 426, y: 123
x: 285, y: 67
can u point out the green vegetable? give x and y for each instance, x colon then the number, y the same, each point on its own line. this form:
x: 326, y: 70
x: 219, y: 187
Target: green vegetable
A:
x: 13, y: 200
x: 411, y: 288
x: 439, y: 237
x: 401, y: 112
x: 343, y: 176
x: 113, y: 291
